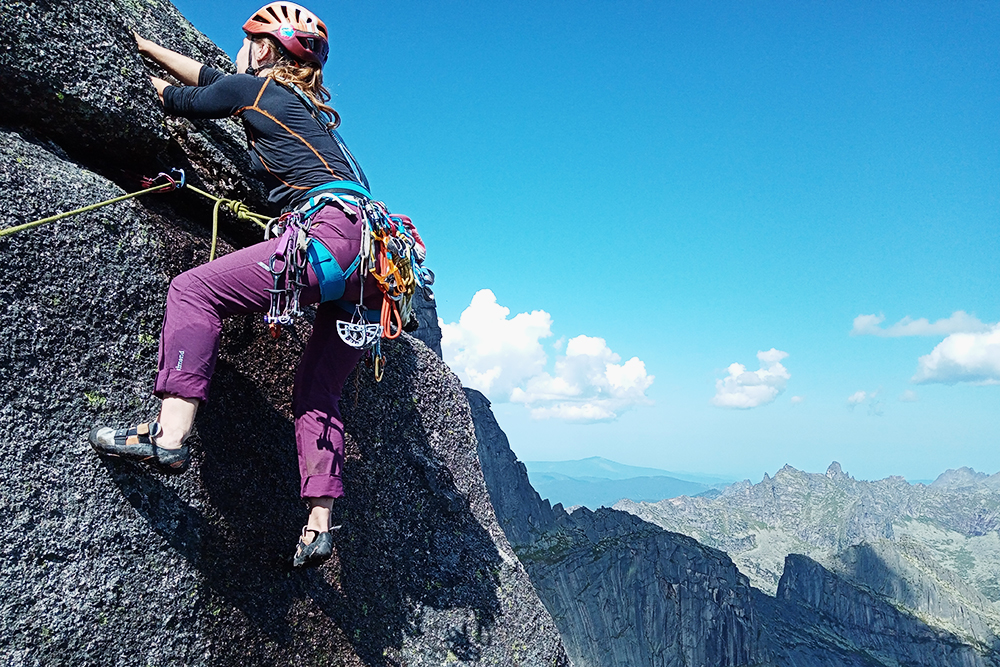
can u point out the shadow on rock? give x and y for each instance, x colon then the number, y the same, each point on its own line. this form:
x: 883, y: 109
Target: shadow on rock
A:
x: 411, y: 555
x: 410, y: 542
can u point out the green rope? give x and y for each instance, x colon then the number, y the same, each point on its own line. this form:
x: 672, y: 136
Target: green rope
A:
x: 241, y: 210
x: 215, y: 228
x: 85, y: 209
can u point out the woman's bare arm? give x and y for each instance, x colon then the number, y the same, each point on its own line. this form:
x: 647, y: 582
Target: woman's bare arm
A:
x: 185, y: 69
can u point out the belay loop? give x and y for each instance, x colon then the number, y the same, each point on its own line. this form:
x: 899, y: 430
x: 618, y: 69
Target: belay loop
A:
x: 390, y: 250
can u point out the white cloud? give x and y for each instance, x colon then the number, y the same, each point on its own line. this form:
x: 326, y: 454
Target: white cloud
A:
x: 963, y: 357
x: 504, y: 359
x: 959, y: 322
x: 742, y: 389
x: 492, y: 353
x: 797, y: 399
x: 588, y: 385
x: 909, y: 396
x: 871, y: 398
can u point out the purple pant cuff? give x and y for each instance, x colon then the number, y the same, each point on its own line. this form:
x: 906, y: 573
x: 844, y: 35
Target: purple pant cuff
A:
x: 181, y: 383
x: 319, y: 486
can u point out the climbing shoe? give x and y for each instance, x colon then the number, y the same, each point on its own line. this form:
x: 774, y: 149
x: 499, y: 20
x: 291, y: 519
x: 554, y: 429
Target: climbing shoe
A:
x: 316, y: 552
x: 138, y: 443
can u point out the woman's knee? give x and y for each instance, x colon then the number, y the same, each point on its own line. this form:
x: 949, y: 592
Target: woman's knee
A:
x: 187, y: 291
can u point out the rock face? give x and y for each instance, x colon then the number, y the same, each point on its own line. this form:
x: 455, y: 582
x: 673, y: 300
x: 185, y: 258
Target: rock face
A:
x: 822, y: 618
x: 107, y: 563
x: 822, y: 515
x: 908, y: 576
x: 521, y: 512
x: 623, y: 592
x: 923, y: 559
x: 429, y: 331
x: 70, y: 73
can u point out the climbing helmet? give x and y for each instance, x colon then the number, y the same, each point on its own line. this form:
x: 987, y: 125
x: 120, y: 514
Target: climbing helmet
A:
x: 298, y: 30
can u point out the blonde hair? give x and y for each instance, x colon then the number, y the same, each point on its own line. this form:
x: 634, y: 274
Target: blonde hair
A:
x: 307, y: 77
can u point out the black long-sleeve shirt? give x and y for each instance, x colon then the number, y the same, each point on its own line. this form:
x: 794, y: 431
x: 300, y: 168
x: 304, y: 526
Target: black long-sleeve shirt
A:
x: 290, y: 150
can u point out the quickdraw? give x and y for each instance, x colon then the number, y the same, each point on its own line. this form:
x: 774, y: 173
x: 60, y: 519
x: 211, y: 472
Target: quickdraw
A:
x: 287, y: 266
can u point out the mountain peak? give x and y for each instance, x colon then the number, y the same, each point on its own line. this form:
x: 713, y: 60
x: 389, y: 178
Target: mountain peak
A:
x: 835, y: 471
x: 957, y: 479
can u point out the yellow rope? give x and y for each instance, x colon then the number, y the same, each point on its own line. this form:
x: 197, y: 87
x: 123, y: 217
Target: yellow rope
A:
x: 85, y: 209
x: 241, y: 210
x: 215, y: 228
x: 237, y: 207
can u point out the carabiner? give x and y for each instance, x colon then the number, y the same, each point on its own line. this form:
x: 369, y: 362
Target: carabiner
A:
x: 181, y: 180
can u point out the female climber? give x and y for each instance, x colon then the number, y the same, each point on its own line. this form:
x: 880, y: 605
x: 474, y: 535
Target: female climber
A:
x: 276, y: 94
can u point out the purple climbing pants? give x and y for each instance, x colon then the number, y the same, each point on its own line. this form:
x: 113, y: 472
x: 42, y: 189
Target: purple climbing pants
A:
x: 236, y: 284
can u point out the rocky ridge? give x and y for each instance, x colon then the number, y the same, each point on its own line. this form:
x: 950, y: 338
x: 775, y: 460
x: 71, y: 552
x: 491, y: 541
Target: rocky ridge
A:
x: 927, y: 550
x: 823, y: 514
x: 624, y: 591
x: 107, y: 563
x: 820, y: 618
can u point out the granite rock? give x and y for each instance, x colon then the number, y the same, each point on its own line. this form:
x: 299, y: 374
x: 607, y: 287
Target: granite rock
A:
x: 623, y: 592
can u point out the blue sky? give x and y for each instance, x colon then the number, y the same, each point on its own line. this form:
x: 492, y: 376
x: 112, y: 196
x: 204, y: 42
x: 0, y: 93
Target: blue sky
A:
x: 694, y: 184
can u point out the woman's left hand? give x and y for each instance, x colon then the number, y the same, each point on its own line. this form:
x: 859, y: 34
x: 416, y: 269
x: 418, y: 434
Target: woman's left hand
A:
x: 185, y: 69
x: 142, y: 43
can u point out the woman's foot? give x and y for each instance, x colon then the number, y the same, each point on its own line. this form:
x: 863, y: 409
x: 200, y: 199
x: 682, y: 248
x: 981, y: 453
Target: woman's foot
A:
x: 138, y: 443
x: 314, y: 548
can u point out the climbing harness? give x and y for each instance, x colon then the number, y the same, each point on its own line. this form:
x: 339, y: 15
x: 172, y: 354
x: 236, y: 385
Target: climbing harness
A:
x: 389, y: 252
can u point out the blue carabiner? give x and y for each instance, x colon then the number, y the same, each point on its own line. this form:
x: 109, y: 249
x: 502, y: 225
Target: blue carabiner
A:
x: 181, y: 181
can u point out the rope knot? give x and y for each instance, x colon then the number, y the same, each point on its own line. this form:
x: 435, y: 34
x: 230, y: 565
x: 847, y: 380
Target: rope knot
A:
x: 241, y: 210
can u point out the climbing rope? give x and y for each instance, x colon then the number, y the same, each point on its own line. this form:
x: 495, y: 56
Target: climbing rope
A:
x: 163, y: 187
x: 241, y: 210
x: 170, y: 183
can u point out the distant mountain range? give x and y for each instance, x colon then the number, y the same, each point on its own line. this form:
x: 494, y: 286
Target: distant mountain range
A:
x: 845, y: 572
x: 932, y: 550
x: 598, y: 482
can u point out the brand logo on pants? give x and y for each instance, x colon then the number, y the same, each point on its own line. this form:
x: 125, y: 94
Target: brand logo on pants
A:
x: 180, y: 360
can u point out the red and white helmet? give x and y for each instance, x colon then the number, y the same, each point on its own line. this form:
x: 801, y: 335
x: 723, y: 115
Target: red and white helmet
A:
x: 296, y: 28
